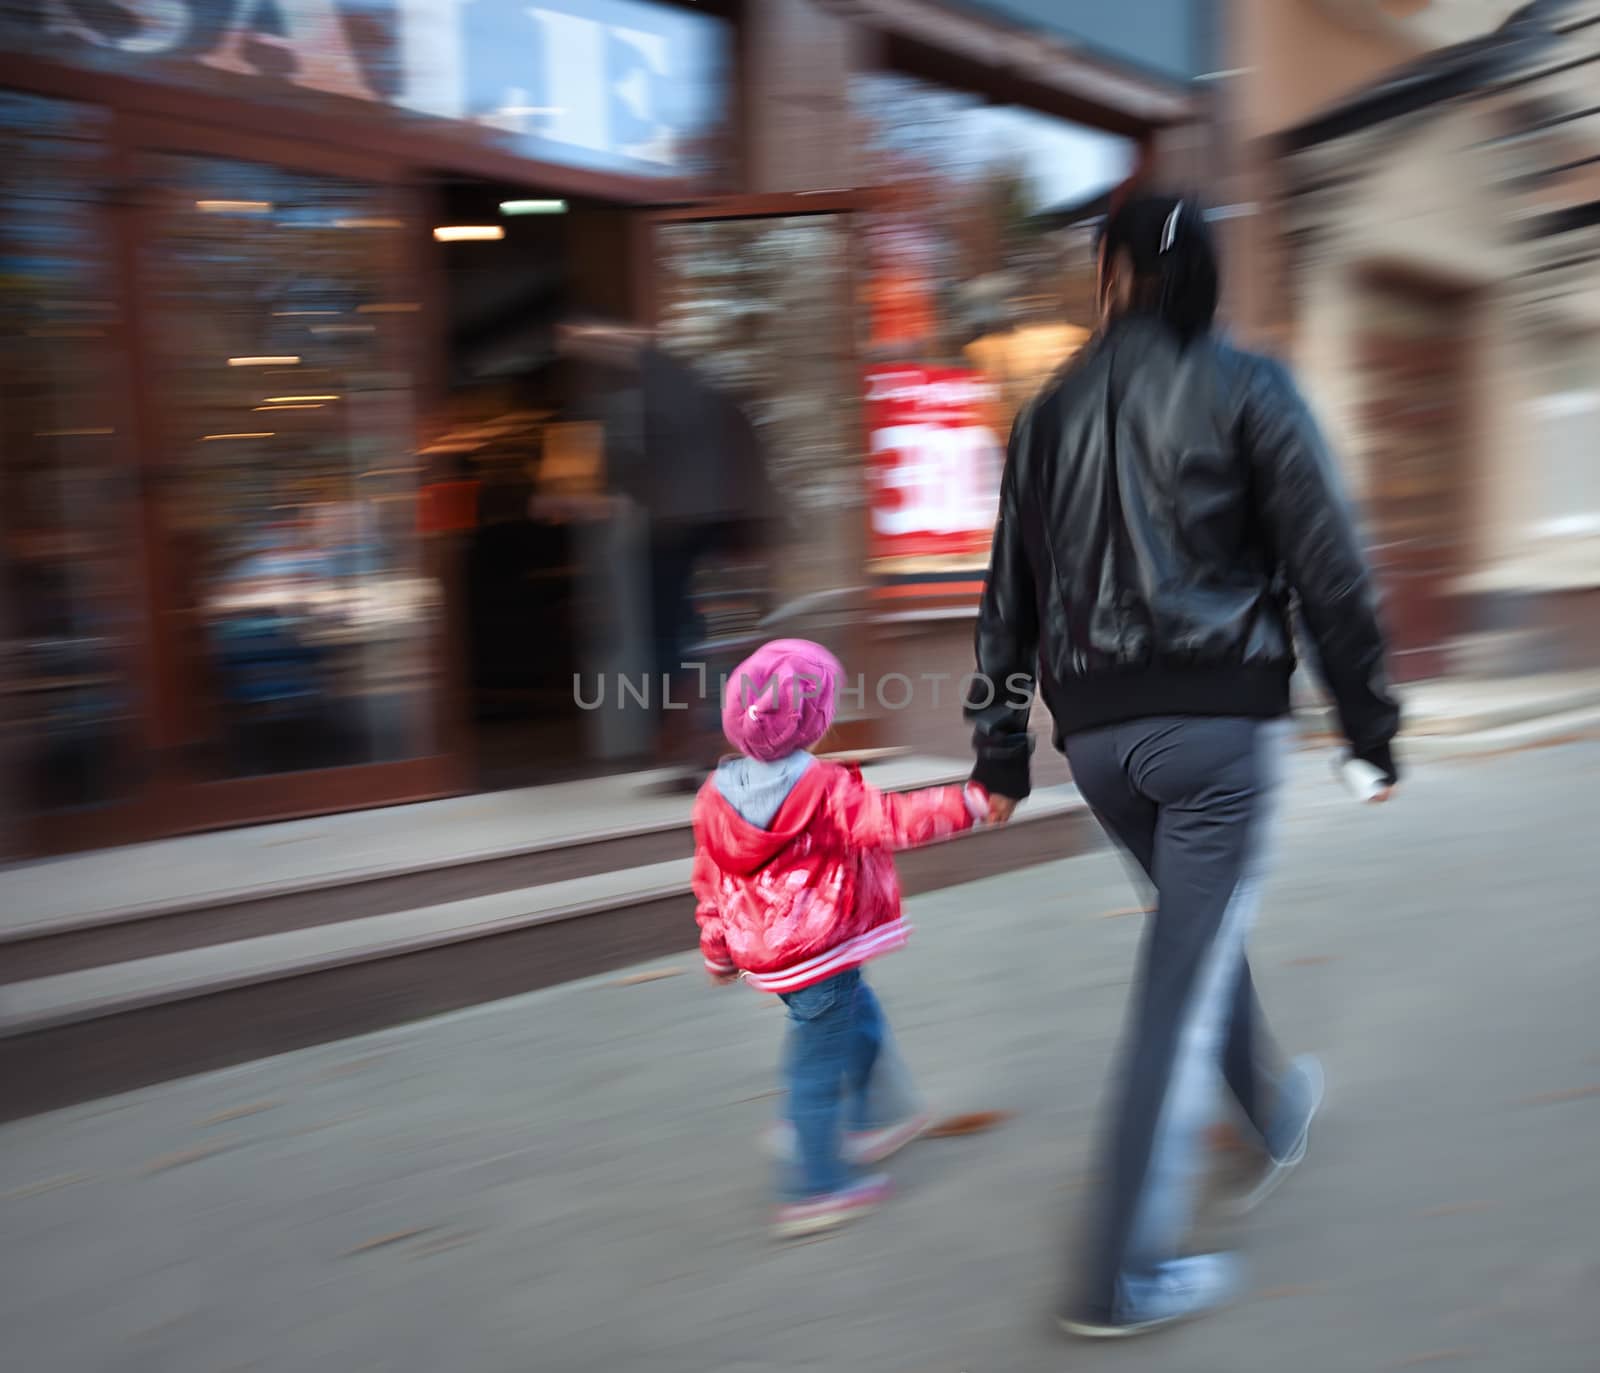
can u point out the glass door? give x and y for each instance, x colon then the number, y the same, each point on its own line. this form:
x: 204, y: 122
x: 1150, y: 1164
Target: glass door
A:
x: 74, y: 703
x: 300, y: 618
x: 758, y: 296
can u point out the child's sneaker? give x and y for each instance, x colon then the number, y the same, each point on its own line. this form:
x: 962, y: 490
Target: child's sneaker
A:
x: 797, y: 1219
x: 864, y: 1148
x: 869, y: 1147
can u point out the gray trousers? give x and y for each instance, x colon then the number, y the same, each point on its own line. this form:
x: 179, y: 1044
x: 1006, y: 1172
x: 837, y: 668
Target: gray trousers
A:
x: 1189, y: 799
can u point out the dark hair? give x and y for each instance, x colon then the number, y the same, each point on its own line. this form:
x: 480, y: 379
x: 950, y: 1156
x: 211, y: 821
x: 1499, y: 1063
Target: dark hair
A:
x: 1174, y: 258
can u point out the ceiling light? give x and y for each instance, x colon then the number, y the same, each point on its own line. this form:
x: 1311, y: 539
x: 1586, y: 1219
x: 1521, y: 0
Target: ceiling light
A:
x: 469, y: 233
x: 533, y: 207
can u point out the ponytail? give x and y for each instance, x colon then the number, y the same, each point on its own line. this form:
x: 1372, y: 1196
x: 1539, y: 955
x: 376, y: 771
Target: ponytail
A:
x: 1174, y: 259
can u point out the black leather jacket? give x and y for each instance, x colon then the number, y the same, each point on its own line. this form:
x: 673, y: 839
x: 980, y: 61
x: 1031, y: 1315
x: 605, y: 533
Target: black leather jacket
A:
x: 1164, y: 509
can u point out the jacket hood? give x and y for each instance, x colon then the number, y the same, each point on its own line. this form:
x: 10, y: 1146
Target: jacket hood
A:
x: 743, y: 848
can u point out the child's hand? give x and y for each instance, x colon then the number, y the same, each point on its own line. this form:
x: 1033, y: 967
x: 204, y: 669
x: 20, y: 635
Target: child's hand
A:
x: 722, y: 979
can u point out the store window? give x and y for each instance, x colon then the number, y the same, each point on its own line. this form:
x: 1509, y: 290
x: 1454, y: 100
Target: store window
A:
x: 978, y: 284
x: 761, y: 308
x: 66, y: 489
x: 284, y: 320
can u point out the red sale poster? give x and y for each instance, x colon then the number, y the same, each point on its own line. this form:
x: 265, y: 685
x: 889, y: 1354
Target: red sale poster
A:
x: 935, y: 465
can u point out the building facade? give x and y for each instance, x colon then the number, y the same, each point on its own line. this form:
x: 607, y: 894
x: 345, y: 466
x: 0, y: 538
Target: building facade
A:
x: 1425, y: 249
x: 277, y: 292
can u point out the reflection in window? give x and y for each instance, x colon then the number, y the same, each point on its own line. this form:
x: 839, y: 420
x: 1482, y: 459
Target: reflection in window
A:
x: 283, y: 323
x: 978, y: 285
x: 761, y: 307
x: 62, y: 448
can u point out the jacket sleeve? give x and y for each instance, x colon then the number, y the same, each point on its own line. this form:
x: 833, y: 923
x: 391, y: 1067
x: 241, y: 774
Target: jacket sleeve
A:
x: 1301, y: 502
x: 708, y: 914
x: 873, y: 819
x: 1000, y: 696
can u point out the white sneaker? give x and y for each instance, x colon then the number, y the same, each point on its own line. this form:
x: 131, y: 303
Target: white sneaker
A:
x: 1182, y: 1290
x: 1303, y: 1087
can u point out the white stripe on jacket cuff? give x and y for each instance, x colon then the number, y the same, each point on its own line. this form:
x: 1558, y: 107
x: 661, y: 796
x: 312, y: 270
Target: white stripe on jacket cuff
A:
x: 881, y: 940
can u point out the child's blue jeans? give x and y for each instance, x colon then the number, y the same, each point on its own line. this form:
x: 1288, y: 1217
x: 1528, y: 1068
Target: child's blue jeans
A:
x: 843, y: 1073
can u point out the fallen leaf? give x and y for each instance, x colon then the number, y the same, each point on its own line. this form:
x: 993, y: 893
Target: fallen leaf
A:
x: 240, y: 1112
x: 442, y: 1243
x: 635, y: 979
x: 183, y: 1156
x: 972, y: 1123
x: 1224, y: 1139
x: 1555, y: 1098
x: 329, y: 1124
x: 1455, y: 1208
x: 38, y: 1189
x: 1122, y: 911
x: 355, y: 1065
x: 383, y: 1241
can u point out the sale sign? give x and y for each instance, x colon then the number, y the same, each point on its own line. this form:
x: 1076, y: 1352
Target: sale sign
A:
x: 935, y: 464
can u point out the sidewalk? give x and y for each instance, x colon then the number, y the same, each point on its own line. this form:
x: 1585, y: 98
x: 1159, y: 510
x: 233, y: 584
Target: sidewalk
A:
x: 1452, y: 716
x: 568, y: 1182
x: 1467, y: 705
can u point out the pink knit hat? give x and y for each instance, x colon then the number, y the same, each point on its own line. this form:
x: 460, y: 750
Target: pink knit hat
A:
x: 781, y: 698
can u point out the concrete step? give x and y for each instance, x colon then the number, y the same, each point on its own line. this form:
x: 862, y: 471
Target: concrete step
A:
x: 80, y: 913
x: 88, y: 1032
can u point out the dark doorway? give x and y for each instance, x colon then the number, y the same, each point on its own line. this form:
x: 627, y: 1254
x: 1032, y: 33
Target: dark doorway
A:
x: 517, y: 431
x: 1414, y: 355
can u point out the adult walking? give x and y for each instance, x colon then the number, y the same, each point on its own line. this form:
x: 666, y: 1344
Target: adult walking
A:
x: 1166, y: 505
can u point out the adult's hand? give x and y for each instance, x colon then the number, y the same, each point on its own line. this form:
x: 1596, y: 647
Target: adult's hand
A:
x: 1001, y: 809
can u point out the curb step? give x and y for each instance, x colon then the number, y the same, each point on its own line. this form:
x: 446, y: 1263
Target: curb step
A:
x: 69, y: 940
x: 1525, y: 733
x: 92, y: 1031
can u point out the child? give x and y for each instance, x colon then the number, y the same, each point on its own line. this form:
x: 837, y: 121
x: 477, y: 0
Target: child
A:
x: 796, y: 889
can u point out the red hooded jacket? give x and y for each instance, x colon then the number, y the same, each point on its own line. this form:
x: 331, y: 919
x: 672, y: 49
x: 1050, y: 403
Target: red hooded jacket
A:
x: 816, y: 893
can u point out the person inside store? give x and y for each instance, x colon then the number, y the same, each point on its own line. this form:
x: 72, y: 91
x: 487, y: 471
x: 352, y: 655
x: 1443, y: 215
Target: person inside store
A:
x: 687, y: 453
x: 1167, y: 501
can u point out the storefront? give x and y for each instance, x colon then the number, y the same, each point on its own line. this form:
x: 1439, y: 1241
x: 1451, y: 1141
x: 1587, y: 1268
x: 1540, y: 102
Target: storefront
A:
x: 257, y: 409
